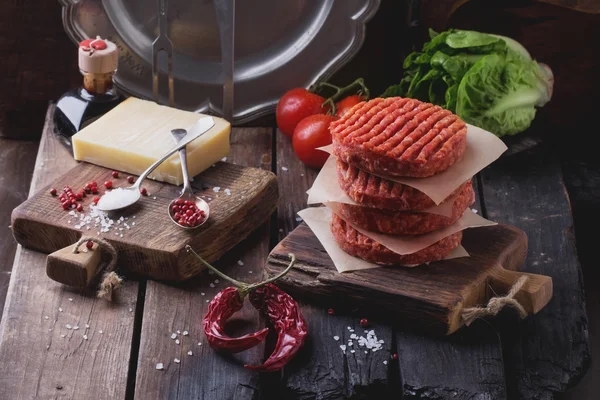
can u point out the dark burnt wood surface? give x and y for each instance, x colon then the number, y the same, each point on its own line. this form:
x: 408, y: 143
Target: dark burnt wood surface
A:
x: 489, y: 360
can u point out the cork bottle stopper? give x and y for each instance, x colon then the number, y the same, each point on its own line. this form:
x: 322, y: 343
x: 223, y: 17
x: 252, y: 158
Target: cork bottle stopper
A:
x: 98, y: 56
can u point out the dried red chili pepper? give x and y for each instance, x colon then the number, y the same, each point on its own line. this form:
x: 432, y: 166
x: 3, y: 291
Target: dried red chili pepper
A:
x: 284, y: 313
x: 223, y: 306
x: 281, y: 308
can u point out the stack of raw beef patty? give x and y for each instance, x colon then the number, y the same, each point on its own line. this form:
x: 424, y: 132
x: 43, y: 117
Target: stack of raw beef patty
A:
x: 396, y: 137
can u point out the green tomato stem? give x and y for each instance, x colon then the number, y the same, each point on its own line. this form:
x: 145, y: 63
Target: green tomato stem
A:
x: 356, y: 87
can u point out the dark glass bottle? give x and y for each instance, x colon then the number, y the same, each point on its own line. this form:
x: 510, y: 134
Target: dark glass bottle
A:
x: 81, y: 106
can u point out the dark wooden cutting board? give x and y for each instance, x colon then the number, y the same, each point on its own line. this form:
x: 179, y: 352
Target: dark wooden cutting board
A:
x: 155, y: 247
x: 428, y: 298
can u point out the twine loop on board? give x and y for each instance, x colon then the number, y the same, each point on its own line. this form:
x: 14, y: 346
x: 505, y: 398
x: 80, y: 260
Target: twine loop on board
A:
x: 110, y: 280
x: 495, y: 304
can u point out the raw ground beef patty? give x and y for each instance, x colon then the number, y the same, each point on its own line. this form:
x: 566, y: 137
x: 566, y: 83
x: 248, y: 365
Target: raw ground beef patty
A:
x: 406, y: 222
x: 373, y: 191
x: 399, y: 137
x: 358, y: 245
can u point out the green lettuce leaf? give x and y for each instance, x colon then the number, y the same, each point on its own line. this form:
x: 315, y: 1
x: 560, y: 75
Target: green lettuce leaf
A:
x: 500, y: 94
x: 488, y: 80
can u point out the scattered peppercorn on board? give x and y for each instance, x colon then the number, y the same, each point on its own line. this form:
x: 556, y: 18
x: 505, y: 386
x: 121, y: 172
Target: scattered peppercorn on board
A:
x: 428, y: 298
x: 149, y: 244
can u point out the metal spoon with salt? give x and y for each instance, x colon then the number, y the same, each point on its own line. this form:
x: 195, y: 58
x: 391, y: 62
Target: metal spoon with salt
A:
x: 187, y: 193
x: 117, y: 199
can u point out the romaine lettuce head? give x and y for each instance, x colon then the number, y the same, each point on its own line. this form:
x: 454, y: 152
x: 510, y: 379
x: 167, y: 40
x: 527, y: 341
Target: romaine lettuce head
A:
x: 500, y: 94
x: 488, y: 80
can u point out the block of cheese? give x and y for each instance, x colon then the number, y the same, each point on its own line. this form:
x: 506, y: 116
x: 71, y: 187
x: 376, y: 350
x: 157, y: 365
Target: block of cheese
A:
x: 137, y: 132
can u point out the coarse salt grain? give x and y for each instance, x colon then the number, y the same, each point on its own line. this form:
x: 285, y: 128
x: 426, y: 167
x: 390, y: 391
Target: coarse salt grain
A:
x: 87, y: 326
x: 68, y: 326
x: 176, y: 360
x: 343, y: 347
x: 216, y: 189
x: 62, y: 336
x: 179, y: 332
x: 160, y: 366
x: 284, y: 168
x: 216, y: 281
x: 75, y: 327
x: 336, y: 338
x: 46, y: 317
x: 85, y: 337
x: 385, y: 362
x: 224, y: 159
x: 177, y: 341
x: 60, y: 309
x: 100, y: 331
x: 173, y: 336
x: 212, y: 284
x: 298, y: 219
x: 199, y: 344
x: 70, y: 299
x: 228, y: 192
x: 474, y: 210
x: 202, y: 294
x: 189, y: 353
x: 185, y: 333
x: 240, y: 263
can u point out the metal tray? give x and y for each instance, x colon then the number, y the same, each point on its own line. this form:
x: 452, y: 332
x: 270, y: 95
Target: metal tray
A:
x: 279, y: 45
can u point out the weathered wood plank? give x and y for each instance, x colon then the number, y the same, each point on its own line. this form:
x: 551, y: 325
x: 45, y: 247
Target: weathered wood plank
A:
x: 168, y: 309
x: 70, y: 366
x: 17, y: 159
x: 468, y: 364
x: 582, y: 180
x: 550, y: 350
x: 321, y: 370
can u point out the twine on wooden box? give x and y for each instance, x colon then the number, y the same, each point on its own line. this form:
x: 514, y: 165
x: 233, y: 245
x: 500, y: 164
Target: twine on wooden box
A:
x: 495, y: 304
x: 110, y: 281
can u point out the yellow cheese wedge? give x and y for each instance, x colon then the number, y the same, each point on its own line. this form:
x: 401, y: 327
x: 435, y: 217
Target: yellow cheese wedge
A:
x: 137, y: 132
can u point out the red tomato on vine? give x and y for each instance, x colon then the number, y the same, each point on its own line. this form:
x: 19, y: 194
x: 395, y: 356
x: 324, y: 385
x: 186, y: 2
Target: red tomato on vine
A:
x: 344, y: 105
x: 311, y: 133
x: 296, y: 105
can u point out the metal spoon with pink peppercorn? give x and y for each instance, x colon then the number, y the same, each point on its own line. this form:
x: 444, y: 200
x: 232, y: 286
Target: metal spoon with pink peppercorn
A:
x: 124, y: 197
x: 187, y: 211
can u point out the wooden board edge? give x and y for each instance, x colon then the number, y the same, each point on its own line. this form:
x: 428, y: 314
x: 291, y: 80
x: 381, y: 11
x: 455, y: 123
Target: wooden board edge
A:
x: 248, y: 219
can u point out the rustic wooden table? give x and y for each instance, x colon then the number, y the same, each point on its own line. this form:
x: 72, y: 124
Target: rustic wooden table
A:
x: 116, y: 359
